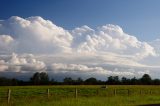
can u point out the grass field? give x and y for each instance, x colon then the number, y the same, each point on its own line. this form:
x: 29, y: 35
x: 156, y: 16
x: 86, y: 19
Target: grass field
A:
x: 86, y: 95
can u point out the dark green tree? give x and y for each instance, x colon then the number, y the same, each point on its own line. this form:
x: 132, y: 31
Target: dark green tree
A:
x: 44, y: 79
x: 91, y: 81
x: 35, y: 79
x: 40, y: 78
x: 68, y: 81
x: 125, y: 81
x: 134, y: 81
x: 146, y: 79
x: 79, y: 81
x: 14, y: 82
x: 156, y: 82
x: 113, y: 80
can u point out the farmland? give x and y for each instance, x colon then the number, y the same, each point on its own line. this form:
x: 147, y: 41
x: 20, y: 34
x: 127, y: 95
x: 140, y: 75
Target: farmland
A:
x: 80, y: 95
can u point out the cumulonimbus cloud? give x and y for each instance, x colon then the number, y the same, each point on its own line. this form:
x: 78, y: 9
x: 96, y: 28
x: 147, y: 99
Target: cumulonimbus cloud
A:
x: 76, y: 48
x: 110, y: 38
x: 6, y: 44
x: 37, y: 35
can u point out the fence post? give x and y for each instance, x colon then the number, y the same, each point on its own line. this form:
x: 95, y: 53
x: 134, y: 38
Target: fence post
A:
x: 48, y: 93
x: 97, y: 91
x: 115, y: 92
x: 128, y: 92
x: 76, y: 93
x: 140, y: 92
x: 150, y: 91
x: 9, y: 95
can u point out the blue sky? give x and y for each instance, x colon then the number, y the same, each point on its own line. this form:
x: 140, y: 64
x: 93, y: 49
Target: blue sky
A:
x: 117, y: 37
x: 140, y: 18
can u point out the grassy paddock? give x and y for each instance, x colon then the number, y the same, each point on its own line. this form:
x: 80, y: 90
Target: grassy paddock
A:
x: 88, y: 95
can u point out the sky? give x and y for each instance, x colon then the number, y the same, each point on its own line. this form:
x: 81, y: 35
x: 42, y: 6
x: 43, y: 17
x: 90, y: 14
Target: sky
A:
x: 140, y: 18
x: 79, y: 38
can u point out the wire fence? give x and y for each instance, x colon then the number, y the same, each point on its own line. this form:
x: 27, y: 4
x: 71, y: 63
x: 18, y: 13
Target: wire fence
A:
x: 8, y: 94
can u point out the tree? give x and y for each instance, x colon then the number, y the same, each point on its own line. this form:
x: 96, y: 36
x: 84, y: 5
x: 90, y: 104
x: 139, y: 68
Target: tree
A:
x: 79, y: 81
x: 35, y: 79
x: 113, y: 80
x: 44, y: 79
x: 14, y: 82
x: 68, y: 80
x: 125, y: 81
x: 40, y: 78
x: 91, y: 81
x: 5, y: 81
x: 146, y: 79
x: 156, y: 82
x: 134, y: 81
x: 110, y: 80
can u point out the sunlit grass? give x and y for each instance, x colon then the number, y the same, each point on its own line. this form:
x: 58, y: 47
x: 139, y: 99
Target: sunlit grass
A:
x: 87, y: 95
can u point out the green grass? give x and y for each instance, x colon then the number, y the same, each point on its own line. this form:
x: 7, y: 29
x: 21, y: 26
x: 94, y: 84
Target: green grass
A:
x: 87, y: 95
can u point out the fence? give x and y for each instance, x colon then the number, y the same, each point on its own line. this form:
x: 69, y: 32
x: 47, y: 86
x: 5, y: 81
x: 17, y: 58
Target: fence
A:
x: 7, y: 95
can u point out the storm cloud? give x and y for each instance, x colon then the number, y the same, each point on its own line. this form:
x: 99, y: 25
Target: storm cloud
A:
x: 28, y: 45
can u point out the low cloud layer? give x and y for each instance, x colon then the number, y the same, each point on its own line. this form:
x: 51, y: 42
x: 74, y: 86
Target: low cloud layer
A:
x: 35, y: 44
x: 27, y: 64
x: 23, y: 63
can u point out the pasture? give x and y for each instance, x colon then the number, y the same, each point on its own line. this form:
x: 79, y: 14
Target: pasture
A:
x: 79, y: 95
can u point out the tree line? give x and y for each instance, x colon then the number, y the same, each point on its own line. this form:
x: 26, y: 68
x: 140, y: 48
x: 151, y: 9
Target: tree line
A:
x: 43, y: 79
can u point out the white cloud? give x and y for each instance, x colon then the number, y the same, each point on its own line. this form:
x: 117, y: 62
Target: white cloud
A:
x: 28, y: 63
x: 74, y: 67
x: 110, y: 38
x: 6, y: 43
x: 82, y: 49
x: 153, y: 61
x: 20, y: 63
x: 36, y: 35
x: 155, y: 44
x: 3, y: 67
x: 95, y: 70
